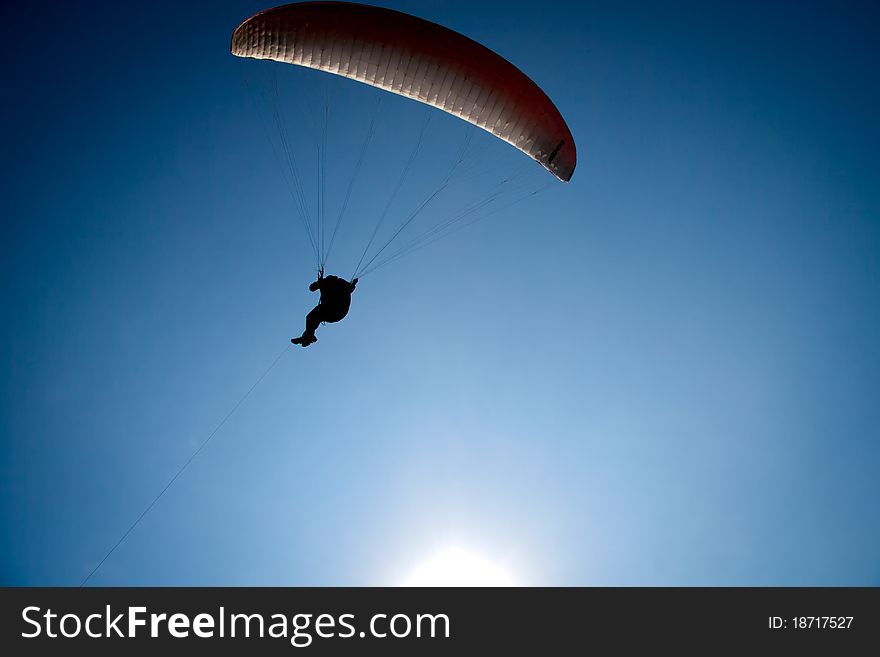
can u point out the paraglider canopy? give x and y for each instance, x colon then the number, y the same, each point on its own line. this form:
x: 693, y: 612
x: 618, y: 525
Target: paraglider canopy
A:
x: 417, y: 59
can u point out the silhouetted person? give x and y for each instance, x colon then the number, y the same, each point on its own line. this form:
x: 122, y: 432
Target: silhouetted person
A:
x: 333, y: 306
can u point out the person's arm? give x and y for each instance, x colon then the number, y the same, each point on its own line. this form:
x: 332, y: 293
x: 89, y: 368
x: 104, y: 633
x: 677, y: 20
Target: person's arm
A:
x: 314, y: 287
x: 353, y: 284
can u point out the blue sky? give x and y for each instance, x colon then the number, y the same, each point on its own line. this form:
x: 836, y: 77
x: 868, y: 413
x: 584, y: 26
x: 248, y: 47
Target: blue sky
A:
x: 664, y: 373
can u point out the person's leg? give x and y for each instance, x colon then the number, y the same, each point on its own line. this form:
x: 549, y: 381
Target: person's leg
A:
x: 313, y: 321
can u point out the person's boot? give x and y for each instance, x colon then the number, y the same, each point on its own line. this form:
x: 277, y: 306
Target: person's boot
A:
x: 305, y: 340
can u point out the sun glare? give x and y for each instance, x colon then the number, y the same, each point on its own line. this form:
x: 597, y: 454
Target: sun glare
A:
x: 457, y: 567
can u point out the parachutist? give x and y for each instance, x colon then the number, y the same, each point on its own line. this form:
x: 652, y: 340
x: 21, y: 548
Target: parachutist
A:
x: 332, y: 307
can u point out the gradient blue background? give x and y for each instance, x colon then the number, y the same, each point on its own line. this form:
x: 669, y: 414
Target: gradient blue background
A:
x: 664, y: 373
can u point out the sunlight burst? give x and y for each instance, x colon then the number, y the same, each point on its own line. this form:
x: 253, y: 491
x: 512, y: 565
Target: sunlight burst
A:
x: 457, y: 567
